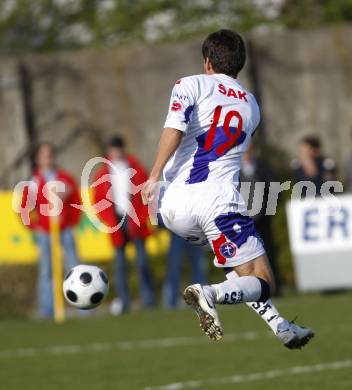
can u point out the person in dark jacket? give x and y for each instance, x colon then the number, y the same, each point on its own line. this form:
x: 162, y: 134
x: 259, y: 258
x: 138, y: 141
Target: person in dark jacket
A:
x: 311, y: 165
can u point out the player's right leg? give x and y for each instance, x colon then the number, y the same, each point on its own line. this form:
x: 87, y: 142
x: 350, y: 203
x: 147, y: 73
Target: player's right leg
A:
x: 290, y: 334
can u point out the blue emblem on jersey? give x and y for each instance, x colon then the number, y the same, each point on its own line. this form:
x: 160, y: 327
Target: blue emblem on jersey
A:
x: 228, y: 249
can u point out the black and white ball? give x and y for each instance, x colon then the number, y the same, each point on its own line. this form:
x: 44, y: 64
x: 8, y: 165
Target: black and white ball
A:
x: 85, y: 286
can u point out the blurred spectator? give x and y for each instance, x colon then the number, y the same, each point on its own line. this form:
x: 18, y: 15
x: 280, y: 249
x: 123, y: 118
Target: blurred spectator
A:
x: 253, y: 170
x: 198, y: 261
x: 124, y: 173
x: 311, y: 165
x: 47, y: 171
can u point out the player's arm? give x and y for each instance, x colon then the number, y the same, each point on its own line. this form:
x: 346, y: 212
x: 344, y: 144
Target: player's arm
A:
x: 183, y: 98
x: 168, y: 144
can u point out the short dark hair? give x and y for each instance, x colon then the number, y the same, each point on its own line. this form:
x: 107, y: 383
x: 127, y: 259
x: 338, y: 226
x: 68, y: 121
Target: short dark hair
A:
x: 116, y: 142
x: 226, y: 52
x: 312, y: 141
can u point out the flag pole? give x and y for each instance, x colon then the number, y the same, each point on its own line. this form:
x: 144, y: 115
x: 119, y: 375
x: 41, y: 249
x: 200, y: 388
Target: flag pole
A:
x: 57, y: 266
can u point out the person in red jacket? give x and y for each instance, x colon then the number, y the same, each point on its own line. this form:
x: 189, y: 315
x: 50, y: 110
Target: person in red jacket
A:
x: 46, y: 173
x: 127, y: 217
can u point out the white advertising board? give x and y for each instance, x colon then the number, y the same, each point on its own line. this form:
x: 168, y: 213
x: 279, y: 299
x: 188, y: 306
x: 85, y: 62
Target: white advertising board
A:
x: 320, y: 232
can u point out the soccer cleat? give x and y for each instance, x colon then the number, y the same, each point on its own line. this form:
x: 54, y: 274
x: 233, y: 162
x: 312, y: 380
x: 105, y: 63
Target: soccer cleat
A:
x: 294, y: 336
x: 209, y: 321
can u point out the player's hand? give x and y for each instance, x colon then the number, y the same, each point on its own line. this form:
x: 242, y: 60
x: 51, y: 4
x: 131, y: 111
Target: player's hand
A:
x: 148, y: 191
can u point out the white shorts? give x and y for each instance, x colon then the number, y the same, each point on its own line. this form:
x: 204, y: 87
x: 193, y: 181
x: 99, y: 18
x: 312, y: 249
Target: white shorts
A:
x: 213, y: 216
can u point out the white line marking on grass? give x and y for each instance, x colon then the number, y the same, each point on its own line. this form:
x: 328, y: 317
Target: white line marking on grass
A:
x: 193, y: 384
x: 171, y: 342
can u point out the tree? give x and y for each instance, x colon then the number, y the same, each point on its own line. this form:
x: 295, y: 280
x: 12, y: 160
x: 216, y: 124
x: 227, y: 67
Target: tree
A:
x: 44, y: 25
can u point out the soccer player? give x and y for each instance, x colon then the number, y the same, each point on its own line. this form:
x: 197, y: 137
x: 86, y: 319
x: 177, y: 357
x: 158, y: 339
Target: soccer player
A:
x: 209, y: 126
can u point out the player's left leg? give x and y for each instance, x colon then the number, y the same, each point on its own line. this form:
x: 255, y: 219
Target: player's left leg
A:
x: 256, y: 283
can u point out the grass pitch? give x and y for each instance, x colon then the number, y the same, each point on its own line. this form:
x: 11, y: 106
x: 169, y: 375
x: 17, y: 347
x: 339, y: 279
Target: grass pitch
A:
x: 159, y: 350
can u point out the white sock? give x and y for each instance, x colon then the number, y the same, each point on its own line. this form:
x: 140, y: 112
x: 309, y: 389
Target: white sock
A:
x: 241, y: 289
x: 266, y: 310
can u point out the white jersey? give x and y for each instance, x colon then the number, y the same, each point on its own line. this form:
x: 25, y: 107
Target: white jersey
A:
x: 218, y: 117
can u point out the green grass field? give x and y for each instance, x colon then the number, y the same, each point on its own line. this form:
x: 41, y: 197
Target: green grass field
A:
x: 153, y: 350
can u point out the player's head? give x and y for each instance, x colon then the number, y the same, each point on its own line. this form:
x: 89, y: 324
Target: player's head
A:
x: 116, y: 148
x: 44, y: 156
x: 224, y: 52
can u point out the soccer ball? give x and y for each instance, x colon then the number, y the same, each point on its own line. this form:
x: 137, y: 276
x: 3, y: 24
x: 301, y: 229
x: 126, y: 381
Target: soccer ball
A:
x: 85, y: 286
